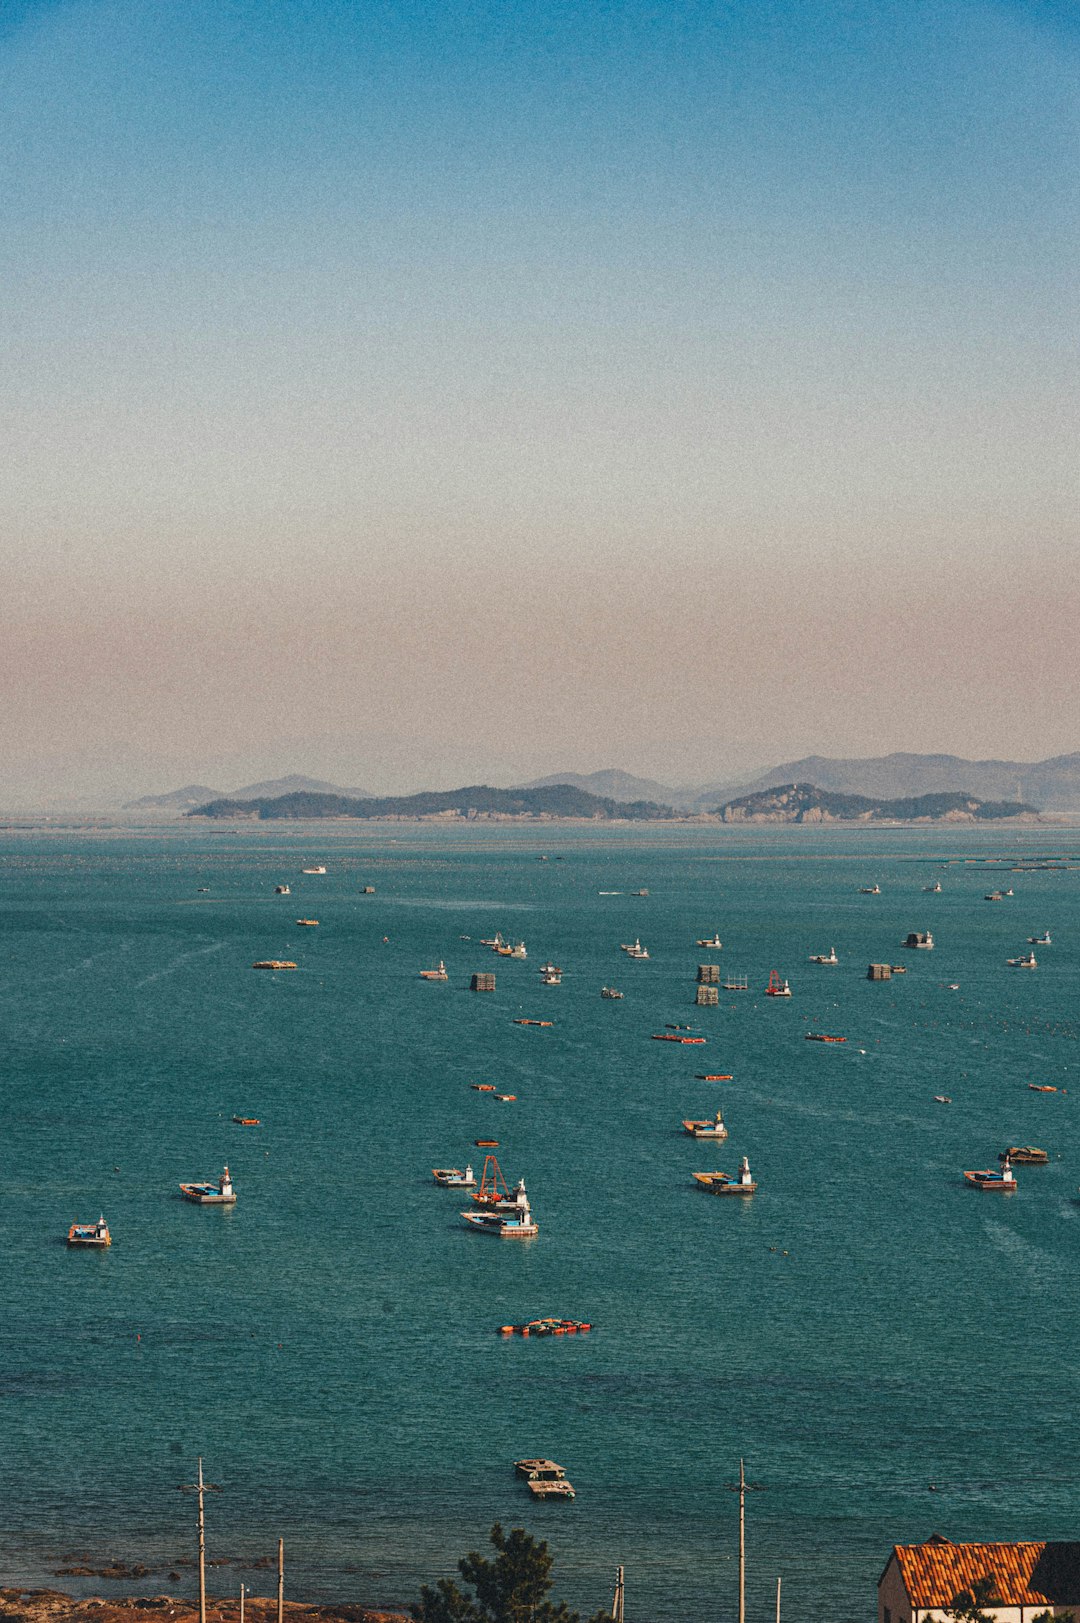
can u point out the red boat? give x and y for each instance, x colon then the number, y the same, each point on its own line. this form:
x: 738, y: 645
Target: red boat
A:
x: 493, y: 1190
x: 777, y: 987
x: 821, y: 1037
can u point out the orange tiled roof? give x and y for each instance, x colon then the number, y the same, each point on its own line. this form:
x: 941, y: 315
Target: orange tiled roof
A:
x: 1042, y: 1574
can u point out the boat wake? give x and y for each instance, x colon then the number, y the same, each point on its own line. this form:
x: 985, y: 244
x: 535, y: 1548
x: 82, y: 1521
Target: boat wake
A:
x: 181, y: 958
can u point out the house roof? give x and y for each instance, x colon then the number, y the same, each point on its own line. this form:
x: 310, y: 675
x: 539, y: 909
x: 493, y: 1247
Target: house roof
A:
x: 1036, y: 1574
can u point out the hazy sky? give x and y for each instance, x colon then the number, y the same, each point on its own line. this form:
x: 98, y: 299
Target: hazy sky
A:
x: 420, y: 392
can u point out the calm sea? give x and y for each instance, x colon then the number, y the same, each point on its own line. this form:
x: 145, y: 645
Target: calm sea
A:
x: 891, y: 1352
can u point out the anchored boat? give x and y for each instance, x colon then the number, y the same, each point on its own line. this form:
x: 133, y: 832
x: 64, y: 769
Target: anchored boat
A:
x: 509, y: 1221
x: 707, y: 1129
x: 454, y: 1178
x: 436, y: 974
x: 1005, y: 1180
x: 90, y: 1234
x: 777, y: 987
x: 221, y: 1193
x: 720, y: 1183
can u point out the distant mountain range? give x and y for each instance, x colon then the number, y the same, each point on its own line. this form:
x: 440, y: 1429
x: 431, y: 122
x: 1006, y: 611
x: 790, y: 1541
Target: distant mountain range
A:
x: 612, y: 784
x: 806, y: 803
x: 197, y: 794
x: 1052, y: 785
x: 478, y: 800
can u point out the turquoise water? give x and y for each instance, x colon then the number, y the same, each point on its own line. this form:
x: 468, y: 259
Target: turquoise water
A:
x: 866, y: 1326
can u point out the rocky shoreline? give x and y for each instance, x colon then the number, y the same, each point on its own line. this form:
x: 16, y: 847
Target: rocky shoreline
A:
x: 54, y: 1606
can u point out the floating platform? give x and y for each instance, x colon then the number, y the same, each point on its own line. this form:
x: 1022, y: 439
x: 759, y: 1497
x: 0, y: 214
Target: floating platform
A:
x: 546, y: 1327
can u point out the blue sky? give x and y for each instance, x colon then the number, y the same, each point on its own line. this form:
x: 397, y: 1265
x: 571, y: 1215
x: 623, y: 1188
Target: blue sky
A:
x: 568, y: 350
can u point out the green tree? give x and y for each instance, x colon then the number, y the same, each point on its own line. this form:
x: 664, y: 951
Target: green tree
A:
x: 1054, y: 1617
x: 512, y: 1588
x: 967, y: 1606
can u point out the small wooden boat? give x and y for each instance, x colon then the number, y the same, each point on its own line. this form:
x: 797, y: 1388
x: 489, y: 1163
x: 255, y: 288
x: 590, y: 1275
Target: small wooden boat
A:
x: 507, y: 1098
x: 674, y: 1037
x: 1025, y: 1155
x: 482, y: 1087
x: 713, y: 1076
x: 436, y: 974
x: 994, y: 896
x: 486, y: 1143
x: 247, y: 1121
x: 1041, y: 1087
x: 319, y: 869
x: 90, y: 1234
x: 534, y: 1022
x: 942, y: 1099
x: 1000, y: 1182
x: 221, y: 1193
x: 310, y: 923
x: 713, y: 941
x: 719, y: 1183
x: 274, y: 963
x: 282, y: 890
x: 551, y: 977
x: 454, y: 1178
x: 823, y: 1037
x: 536, y: 1470
x: 561, y: 1489
x: 610, y: 992
x: 870, y: 890
x: 707, y: 1129
x: 777, y: 987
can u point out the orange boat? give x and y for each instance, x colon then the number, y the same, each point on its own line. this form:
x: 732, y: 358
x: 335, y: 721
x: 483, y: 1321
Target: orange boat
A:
x: 247, y: 1121
x: 711, y: 1076
x: 482, y: 1087
x: 673, y: 1037
x: 1041, y: 1087
x: 534, y: 1022
x: 494, y: 1191
x: 822, y: 1037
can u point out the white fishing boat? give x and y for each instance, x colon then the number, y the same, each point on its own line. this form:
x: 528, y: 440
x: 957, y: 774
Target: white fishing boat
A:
x: 221, y: 1193
x: 825, y: 957
x: 1026, y: 961
x: 91, y: 1234
x: 513, y: 1223
x: 319, y: 869
x: 1040, y: 940
x: 454, y: 1178
x: 707, y: 1129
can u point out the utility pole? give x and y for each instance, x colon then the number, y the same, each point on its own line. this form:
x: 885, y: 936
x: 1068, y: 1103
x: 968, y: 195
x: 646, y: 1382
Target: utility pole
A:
x: 742, y: 1488
x: 619, y: 1598
x: 778, y: 1583
x: 280, y: 1581
x: 242, y: 1588
x: 202, y: 1489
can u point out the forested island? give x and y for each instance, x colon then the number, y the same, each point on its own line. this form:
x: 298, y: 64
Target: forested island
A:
x: 478, y: 801
x: 805, y: 803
